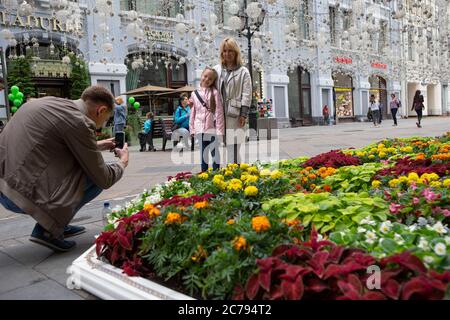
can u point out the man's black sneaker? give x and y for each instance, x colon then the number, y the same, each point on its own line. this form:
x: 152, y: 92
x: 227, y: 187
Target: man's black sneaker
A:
x: 71, y: 231
x: 43, y: 237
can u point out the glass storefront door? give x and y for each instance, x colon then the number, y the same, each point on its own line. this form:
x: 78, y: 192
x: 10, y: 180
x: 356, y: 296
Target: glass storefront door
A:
x: 343, y: 95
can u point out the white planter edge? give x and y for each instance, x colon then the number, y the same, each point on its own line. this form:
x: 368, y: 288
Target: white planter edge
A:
x: 107, y: 282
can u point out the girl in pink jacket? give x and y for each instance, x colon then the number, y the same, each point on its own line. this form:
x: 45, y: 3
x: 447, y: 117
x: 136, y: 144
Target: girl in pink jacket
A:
x: 207, y: 118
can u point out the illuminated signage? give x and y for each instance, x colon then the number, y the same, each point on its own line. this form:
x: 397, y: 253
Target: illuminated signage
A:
x: 343, y: 60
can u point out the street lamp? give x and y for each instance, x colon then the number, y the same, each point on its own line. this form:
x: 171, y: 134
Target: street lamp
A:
x: 248, y: 30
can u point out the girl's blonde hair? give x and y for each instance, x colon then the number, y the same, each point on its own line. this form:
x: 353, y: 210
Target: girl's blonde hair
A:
x: 212, y: 106
x: 231, y: 44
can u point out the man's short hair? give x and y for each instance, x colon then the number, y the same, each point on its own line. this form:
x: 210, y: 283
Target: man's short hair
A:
x: 98, y: 95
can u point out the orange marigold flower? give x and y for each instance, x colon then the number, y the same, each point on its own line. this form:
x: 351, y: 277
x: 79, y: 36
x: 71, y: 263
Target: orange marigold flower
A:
x: 312, y: 186
x: 239, y: 243
x: 230, y: 222
x: 260, y: 223
x: 327, y: 188
x: 304, y: 180
x: 312, y: 176
x: 308, y: 168
x: 420, y: 156
x: 199, y: 254
x: 201, y: 204
x: 152, y: 210
x: 292, y: 222
x: 173, y: 217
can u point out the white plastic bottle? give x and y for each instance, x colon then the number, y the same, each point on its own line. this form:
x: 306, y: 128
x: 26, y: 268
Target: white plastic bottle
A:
x: 106, y: 212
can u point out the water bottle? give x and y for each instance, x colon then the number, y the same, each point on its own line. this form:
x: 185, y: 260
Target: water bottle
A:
x: 106, y: 212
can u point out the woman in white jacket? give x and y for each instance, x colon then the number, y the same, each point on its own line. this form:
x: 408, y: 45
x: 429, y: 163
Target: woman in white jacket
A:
x: 235, y: 87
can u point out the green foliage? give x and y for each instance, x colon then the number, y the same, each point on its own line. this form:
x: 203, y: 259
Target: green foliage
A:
x: 353, y: 178
x: 329, y: 212
x: 79, y: 78
x: 19, y: 74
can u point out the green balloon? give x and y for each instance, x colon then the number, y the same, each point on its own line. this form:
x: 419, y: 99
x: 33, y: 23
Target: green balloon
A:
x: 11, y: 97
x: 19, y: 95
x: 14, y: 109
x: 131, y: 100
x: 136, y: 105
x: 15, y: 90
x: 17, y: 103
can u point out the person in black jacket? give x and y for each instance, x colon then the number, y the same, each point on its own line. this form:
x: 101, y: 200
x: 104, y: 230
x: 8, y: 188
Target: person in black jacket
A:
x: 418, y: 106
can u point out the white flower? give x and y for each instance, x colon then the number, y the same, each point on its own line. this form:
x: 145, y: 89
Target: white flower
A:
x: 422, y: 221
x: 145, y: 191
x: 399, y: 239
x: 412, y: 228
x: 154, y: 198
x: 187, y: 184
x: 385, y: 226
x: 371, y: 235
x: 440, y: 249
x: 116, y: 224
x: 128, y: 205
x: 116, y: 209
x: 447, y: 240
x: 367, y: 221
x: 428, y: 259
x: 361, y: 230
x: 370, y: 241
x: 423, y: 244
x: 439, y: 228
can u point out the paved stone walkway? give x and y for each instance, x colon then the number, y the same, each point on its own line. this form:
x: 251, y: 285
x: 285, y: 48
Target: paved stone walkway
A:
x: 30, y: 271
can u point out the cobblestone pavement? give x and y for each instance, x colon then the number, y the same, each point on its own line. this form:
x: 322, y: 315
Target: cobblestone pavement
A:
x: 30, y: 271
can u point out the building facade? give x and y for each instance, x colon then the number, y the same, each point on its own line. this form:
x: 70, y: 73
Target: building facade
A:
x: 307, y: 53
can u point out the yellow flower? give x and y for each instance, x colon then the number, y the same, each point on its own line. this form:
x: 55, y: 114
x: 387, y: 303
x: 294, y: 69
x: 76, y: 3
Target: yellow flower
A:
x: 413, y: 176
x: 393, y: 183
x: 251, y: 179
x: 232, y: 166
x: 382, y: 154
x: 201, y: 204
x: 381, y: 146
x: 230, y: 222
x: 244, y: 176
x: 210, y: 169
x: 235, y: 185
x: 421, y: 181
x: 373, y: 150
x: 276, y: 174
x: 199, y: 254
x: 371, y: 157
x: 228, y: 173
x: 244, y: 166
x: 252, y: 170
x: 251, y: 191
x: 392, y: 150
x: 435, y: 184
x: 203, y: 175
x: 376, y: 184
x: 173, y: 217
x: 260, y: 223
x: 360, y: 154
x: 239, y: 243
x: 446, y: 183
x: 403, y: 179
x: 217, y: 179
x: 265, y: 172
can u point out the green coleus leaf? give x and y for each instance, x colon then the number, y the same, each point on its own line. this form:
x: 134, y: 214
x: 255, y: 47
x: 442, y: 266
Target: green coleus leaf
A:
x: 388, y: 245
x: 327, y: 228
x: 307, y: 219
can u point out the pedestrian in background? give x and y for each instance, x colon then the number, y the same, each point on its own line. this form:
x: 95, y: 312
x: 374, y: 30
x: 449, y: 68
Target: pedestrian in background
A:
x: 395, y: 105
x: 120, y: 115
x: 375, y: 111
x: 326, y: 114
x: 146, y: 136
x: 418, y: 106
x: 181, y: 122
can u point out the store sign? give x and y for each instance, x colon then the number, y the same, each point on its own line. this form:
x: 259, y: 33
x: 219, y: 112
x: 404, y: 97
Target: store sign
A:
x: 159, y: 36
x: 44, y: 23
x: 379, y: 65
x: 343, y: 60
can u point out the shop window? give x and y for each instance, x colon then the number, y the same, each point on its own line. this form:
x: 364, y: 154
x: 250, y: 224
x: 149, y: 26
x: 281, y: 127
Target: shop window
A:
x: 343, y: 95
x: 304, y: 19
x: 164, y: 8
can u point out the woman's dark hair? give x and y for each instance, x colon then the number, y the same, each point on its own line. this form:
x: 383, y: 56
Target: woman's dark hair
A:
x: 417, y: 95
x: 181, y: 98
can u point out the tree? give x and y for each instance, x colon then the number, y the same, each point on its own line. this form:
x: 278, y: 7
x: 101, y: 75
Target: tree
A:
x: 19, y: 74
x: 79, y: 78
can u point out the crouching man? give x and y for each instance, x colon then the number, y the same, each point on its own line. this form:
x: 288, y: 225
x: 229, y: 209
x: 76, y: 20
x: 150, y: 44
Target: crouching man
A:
x: 51, y: 164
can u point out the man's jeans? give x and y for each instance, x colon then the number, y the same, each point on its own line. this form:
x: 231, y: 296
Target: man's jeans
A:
x: 90, y: 192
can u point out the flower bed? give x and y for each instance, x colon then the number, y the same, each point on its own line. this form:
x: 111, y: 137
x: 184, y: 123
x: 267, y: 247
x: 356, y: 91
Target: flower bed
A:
x: 297, y: 229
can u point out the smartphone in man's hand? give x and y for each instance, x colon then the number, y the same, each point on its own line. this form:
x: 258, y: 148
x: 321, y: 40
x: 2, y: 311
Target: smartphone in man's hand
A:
x: 120, y: 139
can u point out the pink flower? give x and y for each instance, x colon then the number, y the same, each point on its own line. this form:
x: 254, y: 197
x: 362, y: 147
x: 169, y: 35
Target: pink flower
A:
x: 429, y: 195
x: 394, y: 208
x: 446, y: 212
x: 413, y: 186
x: 415, y: 200
x: 385, y: 162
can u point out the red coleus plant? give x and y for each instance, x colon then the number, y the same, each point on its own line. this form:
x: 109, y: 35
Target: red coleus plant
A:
x: 407, y: 165
x: 182, y: 201
x: 181, y: 176
x: 322, y: 270
x: 333, y: 158
x: 121, y: 245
